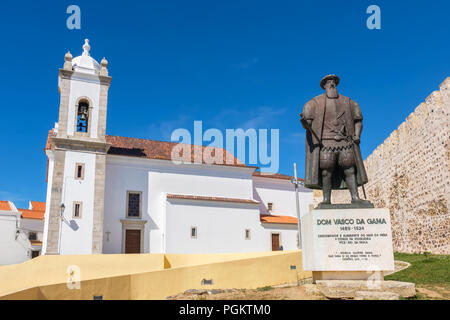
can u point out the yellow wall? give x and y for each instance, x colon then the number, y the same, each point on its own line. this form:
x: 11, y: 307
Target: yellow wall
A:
x: 47, y: 270
x: 144, y: 277
x: 179, y: 260
x: 257, y: 271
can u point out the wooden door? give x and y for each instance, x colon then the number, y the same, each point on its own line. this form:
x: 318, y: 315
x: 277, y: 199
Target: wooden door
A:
x: 132, y: 241
x: 275, y: 241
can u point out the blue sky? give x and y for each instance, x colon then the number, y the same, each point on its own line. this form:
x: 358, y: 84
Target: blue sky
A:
x: 230, y: 64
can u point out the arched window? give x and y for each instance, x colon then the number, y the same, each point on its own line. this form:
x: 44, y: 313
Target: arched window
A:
x: 83, y: 116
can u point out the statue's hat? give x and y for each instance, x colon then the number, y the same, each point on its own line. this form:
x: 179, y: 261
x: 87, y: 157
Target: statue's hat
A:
x: 329, y: 77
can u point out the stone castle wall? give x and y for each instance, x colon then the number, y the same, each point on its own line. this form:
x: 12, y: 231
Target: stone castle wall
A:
x: 409, y: 173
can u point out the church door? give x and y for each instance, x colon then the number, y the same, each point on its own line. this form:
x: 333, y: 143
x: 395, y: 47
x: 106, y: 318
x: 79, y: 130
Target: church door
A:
x: 275, y: 241
x: 132, y: 241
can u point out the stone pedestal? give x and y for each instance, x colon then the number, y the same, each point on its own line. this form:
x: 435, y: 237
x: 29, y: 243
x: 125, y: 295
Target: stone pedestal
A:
x: 347, y: 275
x: 347, y: 244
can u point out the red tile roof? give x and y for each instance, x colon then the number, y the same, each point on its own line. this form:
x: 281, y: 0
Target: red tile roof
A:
x: 152, y: 149
x: 32, y: 214
x: 38, y: 205
x: 202, y: 198
x: 271, y: 218
x: 4, y: 205
x: 274, y: 176
x: 49, y: 140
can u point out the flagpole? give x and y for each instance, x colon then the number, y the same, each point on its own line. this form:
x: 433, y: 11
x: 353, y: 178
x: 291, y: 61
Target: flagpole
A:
x: 297, y: 203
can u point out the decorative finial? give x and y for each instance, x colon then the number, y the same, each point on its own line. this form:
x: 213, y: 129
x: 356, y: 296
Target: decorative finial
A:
x: 68, y: 56
x: 86, y: 47
x: 68, y: 61
x: 103, y: 69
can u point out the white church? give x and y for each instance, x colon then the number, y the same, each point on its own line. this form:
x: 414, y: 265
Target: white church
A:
x: 110, y: 194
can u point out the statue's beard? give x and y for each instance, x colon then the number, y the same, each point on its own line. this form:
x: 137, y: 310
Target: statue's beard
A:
x: 332, y: 92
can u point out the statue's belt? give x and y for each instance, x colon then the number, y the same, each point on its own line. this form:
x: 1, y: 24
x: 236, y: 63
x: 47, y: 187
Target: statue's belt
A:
x: 336, y: 148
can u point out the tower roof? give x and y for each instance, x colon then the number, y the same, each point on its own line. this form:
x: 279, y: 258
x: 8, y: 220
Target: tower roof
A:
x: 85, y: 63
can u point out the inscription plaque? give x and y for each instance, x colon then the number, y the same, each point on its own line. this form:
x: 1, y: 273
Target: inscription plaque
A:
x: 347, y: 240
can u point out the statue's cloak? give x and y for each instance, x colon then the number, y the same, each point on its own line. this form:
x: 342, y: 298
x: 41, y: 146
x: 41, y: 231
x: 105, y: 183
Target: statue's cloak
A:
x: 314, y: 110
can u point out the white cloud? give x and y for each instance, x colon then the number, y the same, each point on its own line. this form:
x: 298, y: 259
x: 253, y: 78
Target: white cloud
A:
x: 163, y: 130
x: 262, y: 117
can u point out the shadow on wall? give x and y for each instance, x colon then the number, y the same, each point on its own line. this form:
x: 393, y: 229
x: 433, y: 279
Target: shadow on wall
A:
x: 145, y: 276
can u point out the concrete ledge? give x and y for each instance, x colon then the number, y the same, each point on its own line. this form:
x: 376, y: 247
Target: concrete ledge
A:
x: 371, y: 295
x: 336, y: 289
x: 399, y: 266
x: 348, y: 275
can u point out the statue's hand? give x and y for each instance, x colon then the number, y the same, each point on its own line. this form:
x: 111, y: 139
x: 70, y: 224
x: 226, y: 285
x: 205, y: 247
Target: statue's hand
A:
x: 304, y: 122
x: 356, y: 139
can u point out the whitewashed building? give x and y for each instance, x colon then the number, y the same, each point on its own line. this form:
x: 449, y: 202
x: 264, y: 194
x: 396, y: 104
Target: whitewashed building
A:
x: 14, y: 244
x: 21, y: 231
x: 32, y: 224
x: 111, y: 194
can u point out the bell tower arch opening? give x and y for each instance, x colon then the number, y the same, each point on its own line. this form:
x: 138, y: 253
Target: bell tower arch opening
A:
x: 83, y: 116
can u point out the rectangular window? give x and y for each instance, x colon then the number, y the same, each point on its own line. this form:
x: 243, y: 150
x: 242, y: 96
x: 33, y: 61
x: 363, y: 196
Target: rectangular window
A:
x: 193, y: 232
x: 134, y: 203
x: 270, y: 206
x: 32, y: 236
x: 247, y: 234
x: 77, y: 207
x: 79, y: 171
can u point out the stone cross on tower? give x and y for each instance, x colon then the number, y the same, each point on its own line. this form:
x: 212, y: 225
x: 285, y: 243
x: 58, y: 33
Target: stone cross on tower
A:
x: 86, y: 48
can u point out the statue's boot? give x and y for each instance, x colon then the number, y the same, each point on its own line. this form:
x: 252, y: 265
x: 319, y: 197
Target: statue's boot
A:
x: 362, y: 203
x: 324, y: 204
x: 326, y: 190
x: 353, y: 188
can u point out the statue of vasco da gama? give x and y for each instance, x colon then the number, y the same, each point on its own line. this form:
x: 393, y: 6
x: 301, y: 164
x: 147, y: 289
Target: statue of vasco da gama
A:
x: 333, y: 126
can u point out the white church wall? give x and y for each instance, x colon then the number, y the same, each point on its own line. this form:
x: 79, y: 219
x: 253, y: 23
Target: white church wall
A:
x: 282, y: 194
x: 119, y: 179
x: 76, y: 233
x: 49, y: 194
x: 194, y: 180
x: 220, y: 227
x: 155, y: 178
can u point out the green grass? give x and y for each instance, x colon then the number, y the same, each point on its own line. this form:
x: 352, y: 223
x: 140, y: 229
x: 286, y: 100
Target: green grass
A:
x: 425, y: 269
x: 266, y: 288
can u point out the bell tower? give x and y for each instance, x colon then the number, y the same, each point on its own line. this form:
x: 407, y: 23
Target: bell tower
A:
x: 77, y: 158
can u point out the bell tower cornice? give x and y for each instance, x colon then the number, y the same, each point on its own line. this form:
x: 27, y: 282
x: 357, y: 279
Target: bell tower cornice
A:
x: 80, y: 144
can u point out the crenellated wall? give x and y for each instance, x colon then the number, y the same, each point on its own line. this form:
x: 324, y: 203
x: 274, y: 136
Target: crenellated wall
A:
x: 409, y: 173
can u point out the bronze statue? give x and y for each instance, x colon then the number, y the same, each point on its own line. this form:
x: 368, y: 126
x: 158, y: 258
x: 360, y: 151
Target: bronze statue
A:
x: 333, y: 126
